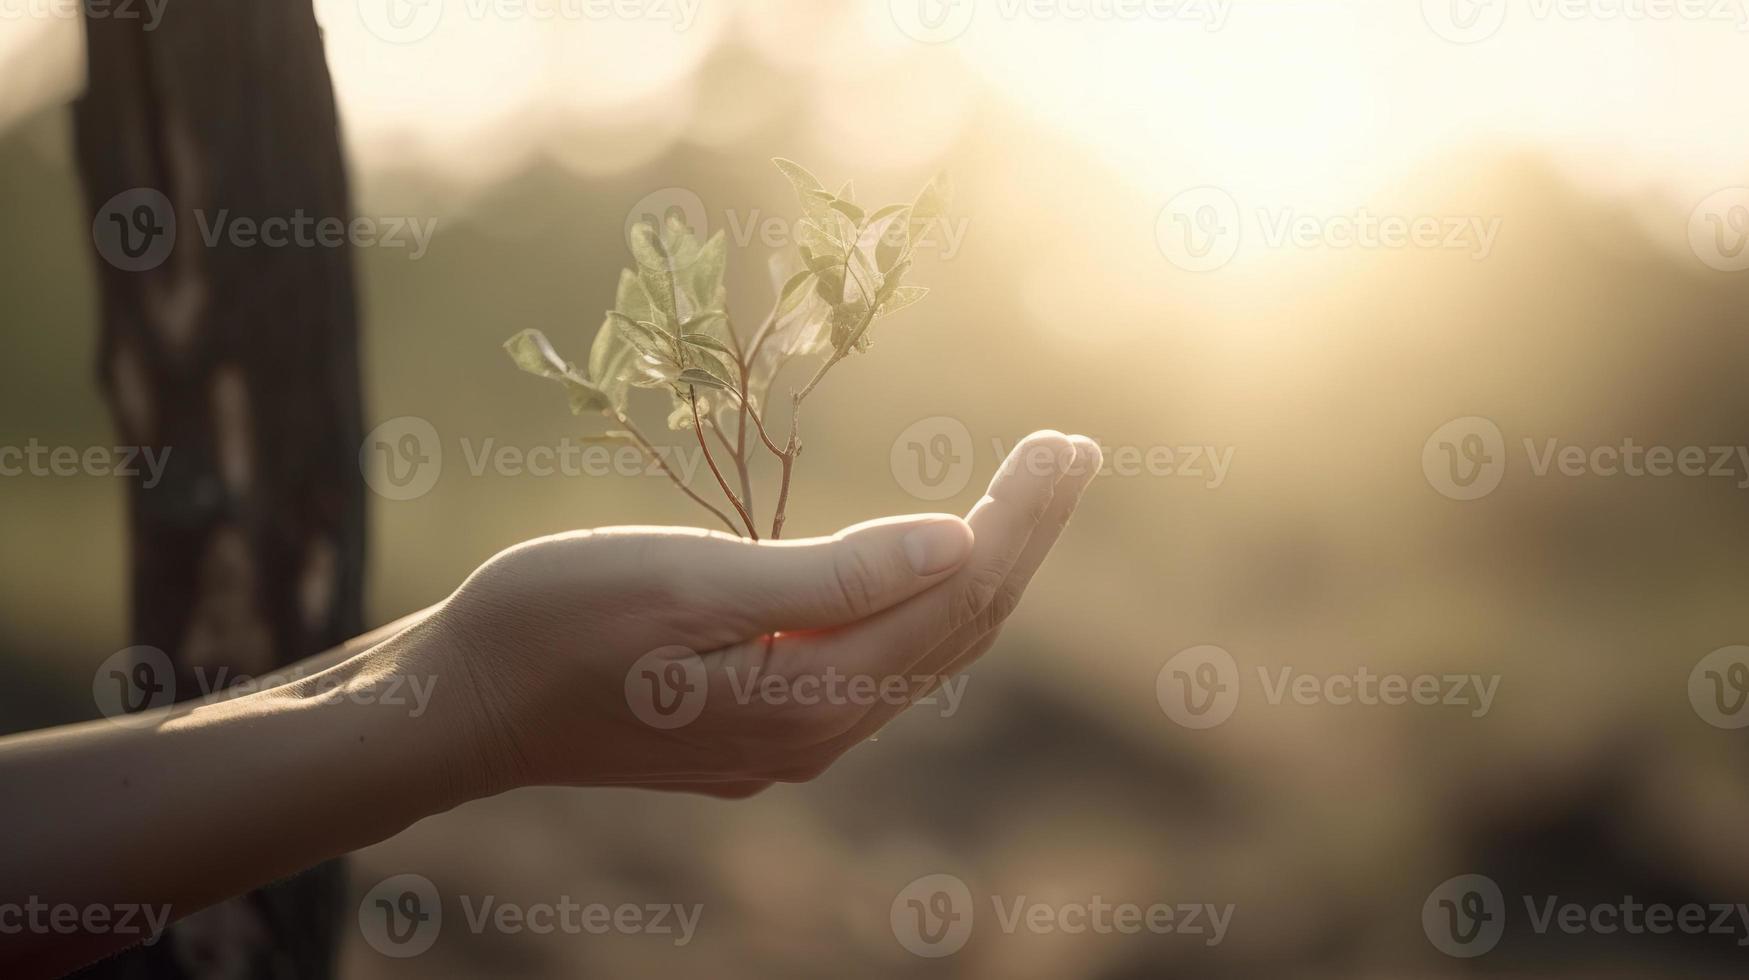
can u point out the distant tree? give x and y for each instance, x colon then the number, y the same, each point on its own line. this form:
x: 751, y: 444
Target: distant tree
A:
x: 249, y: 554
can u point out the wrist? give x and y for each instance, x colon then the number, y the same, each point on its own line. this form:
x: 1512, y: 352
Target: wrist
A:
x: 457, y: 741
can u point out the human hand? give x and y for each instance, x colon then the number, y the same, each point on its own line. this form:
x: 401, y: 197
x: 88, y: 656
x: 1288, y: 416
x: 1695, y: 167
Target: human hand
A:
x: 675, y: 659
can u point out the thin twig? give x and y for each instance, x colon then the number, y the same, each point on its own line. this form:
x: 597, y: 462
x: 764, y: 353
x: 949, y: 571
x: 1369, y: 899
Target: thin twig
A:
x: 653, y: 454
x: 698, y: 429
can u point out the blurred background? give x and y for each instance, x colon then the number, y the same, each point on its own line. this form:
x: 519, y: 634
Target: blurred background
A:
x: 1157, y: 209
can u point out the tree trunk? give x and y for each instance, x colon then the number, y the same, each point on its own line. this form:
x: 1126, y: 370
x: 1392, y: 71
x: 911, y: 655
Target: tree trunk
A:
x: 242, y: 361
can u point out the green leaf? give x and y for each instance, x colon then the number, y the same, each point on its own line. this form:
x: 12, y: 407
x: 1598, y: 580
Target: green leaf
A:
x: 534, y: 353
x: 902, y: 297
x: 886, y: 212
x: 631, y: 298
x: 849, y: 210
x: 653, y: 372
x: 706, y: 341
x: 610, y: 361
x: 705, y: 377
x: 831, y: 286
x: 931, y: 205
x: 585, y: 397
x: 798, y: 175
x: 847, y: 193
x: 792, y: 294
x: 845, y: 320
x: 705, y: 274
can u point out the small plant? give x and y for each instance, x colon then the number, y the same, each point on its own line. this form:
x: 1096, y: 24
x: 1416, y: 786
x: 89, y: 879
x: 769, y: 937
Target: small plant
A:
x: 670, y: 330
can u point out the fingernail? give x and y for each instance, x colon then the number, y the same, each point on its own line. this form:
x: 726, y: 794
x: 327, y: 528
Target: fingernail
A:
x: 938, y: 546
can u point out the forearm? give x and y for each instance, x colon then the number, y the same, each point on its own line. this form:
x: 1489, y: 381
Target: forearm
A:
x: 184, y: 807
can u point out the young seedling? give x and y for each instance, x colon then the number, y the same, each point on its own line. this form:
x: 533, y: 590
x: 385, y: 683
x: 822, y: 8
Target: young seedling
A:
x: 670, y: 330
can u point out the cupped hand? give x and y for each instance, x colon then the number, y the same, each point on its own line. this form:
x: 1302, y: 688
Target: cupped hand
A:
x: 686, y: 659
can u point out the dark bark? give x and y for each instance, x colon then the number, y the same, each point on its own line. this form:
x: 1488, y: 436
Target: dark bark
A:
x: 243, y: 363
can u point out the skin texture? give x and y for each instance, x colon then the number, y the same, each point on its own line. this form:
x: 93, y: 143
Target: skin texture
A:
x: 538, y: 671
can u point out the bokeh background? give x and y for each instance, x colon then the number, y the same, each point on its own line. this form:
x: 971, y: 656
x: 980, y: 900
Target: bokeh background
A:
x: 1596, y: 142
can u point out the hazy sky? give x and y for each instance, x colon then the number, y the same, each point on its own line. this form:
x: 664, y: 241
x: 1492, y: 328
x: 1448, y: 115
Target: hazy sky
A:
x: 1314, y: 101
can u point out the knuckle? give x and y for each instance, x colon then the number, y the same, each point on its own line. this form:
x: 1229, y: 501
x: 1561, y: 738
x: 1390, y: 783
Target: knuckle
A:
x: 1006, y: 600
x: 856, y: 580
x: 980, y: 592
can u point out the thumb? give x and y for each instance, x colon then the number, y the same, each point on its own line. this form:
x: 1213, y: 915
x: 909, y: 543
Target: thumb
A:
x: 816, y: 583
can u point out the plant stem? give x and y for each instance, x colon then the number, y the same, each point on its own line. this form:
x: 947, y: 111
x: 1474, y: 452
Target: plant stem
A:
x: 698, y: 430
x: 650, y: 451
x: 788, y: 456
x: 737, y: 452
